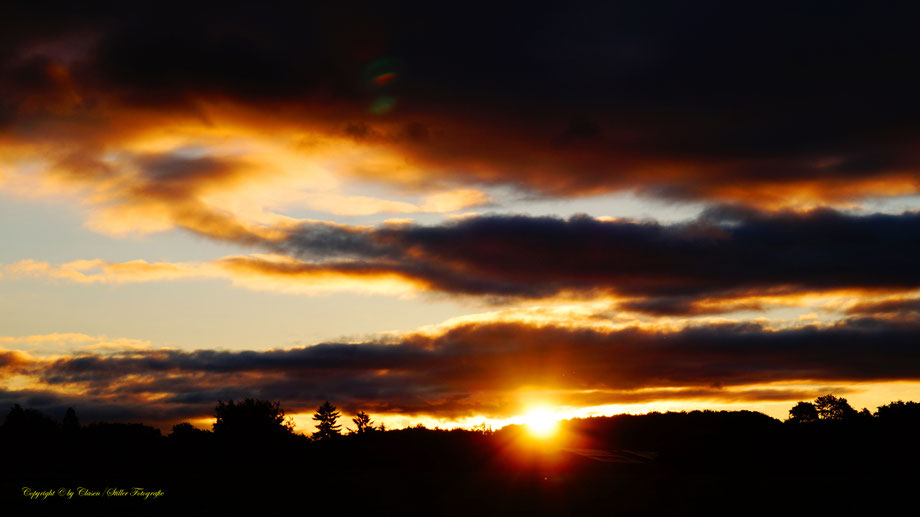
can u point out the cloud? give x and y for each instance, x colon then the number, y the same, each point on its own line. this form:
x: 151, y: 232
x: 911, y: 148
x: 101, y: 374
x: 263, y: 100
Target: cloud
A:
x: 899, y: 306
x: 481, y: 368
x: 675, y: 102
x: 439, y: 202
x: 259, y: 272
x: 69, y: 343
x: 726, y: 254
x: 90, y: 409
x: 727, y: 260
x: 100, y: 271
x: 12, y: 361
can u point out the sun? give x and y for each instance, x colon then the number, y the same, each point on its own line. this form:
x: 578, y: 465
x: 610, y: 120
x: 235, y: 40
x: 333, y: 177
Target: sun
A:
x: 541, y: 422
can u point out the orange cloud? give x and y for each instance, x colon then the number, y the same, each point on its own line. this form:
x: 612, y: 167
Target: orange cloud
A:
x: 671, y: 121
x: 223, y: 171
x: 260, y: 272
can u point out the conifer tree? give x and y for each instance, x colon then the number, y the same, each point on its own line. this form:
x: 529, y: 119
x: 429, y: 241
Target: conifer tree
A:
x: 326, y: 427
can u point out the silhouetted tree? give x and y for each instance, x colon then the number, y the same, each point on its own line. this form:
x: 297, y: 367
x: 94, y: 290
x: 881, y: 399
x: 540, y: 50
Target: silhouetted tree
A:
x: 251, y: 417
x: 900, y: 412
x: 803, y: 412
x: 182, y: 428
x: 483, y: 428
x: 185, y: 430
x: 70, y: 424
x: 29, y: 423
x: 326, y: 428
x: 112, y: 432
x: 363, y: 423
x: 830, y: 407
x: 187, y: 437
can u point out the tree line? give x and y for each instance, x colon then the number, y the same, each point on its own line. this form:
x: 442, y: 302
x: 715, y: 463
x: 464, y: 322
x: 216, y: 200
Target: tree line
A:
x: 265, y: 418
x: 255, y: 417
x: 253, y: 449
x: 830, y: 408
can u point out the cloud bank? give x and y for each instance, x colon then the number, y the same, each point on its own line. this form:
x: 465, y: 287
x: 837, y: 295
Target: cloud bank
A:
x: 476, y: 369
x: 773, y: 105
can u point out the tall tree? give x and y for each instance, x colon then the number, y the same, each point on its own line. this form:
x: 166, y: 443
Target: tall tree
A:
x: 326, y: 427
x: 70, y: 423
x: 363, y: 423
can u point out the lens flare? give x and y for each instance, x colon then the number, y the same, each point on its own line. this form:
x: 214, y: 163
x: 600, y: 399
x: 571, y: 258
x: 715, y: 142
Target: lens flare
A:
x: 383, y: 105
x: 384, y: 79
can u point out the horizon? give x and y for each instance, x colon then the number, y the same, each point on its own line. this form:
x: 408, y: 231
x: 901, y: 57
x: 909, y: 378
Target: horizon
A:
x: 544, y: 419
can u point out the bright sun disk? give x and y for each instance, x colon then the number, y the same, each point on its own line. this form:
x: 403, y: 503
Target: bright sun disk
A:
x: 541, y: 422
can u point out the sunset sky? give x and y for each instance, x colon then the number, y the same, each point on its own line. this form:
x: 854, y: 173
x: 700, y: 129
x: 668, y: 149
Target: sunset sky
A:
x: 454, y: 215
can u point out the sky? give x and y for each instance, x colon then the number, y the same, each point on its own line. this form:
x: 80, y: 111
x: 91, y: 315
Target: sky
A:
x: 456, y: 215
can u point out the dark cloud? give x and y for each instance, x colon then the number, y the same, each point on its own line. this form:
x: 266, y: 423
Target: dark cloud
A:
x: 896, y: 307
x: 11, y: 361
x: 724, y: 100
x: 726, y: 253
x: 685, y: 306
x: 92, y: 409
x: 176, y: 178
x: 476, y: 368
x: 324, y: 240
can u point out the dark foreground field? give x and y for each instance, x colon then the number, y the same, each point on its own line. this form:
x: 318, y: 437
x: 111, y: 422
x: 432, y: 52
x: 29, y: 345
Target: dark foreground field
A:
x: 698, y: 463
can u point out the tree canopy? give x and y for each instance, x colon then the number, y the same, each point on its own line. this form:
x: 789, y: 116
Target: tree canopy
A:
x: 29, y: 422
x: 900, y: 412
x: 824, y: 408
x: 803, y: 412
x: 830, y: 407
x: 251, y: 418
